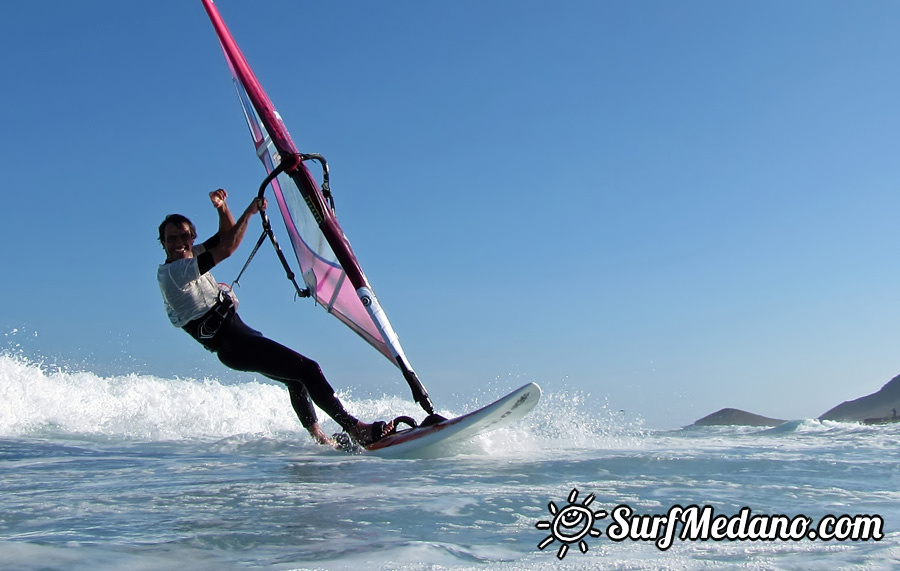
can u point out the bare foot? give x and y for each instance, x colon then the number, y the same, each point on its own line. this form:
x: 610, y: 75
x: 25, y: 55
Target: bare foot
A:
x: 366, y: 434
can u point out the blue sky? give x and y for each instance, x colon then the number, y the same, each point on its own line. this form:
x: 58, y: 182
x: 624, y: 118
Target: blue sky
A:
x: 672, y: 206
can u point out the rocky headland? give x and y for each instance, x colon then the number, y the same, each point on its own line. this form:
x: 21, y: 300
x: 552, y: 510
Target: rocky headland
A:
x: 879, y: 407
x: 736, y: 417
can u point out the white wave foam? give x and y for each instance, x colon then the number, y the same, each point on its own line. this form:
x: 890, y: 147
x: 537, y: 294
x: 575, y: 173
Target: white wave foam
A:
x: 36, y: 400
x: 33, y: 399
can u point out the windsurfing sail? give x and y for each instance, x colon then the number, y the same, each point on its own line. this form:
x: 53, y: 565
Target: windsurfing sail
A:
x: 328, y: 266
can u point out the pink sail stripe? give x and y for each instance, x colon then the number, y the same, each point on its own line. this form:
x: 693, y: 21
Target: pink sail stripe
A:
x: 319, y: 264
x: 327, y: 262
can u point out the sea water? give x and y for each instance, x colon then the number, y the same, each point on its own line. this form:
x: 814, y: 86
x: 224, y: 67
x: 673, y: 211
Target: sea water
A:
x: 135, y: 472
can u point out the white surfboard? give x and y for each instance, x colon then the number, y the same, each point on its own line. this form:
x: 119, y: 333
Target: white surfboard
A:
x: 428, y: 440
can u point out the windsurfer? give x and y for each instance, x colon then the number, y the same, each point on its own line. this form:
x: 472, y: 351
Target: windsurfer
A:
x: 208, y: 312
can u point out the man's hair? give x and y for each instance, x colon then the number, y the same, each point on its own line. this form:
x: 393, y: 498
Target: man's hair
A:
x: 176, y: 219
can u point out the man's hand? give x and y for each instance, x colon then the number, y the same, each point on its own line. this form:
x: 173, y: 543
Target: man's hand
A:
x: 231, y: 232
x: 257, y: 205
x: 218, y: 198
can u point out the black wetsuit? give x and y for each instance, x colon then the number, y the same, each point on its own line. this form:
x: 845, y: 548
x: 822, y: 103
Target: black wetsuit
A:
x: 242, y: 348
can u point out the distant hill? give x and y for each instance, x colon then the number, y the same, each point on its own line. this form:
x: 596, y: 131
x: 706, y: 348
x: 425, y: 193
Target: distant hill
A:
x: 736, y: 417
x: 878, y: 406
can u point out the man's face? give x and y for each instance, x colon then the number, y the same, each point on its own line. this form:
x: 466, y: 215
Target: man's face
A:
x: 178, y: 242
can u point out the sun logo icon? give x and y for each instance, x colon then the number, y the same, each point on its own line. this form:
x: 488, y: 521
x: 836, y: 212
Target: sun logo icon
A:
x: 571, y: 524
